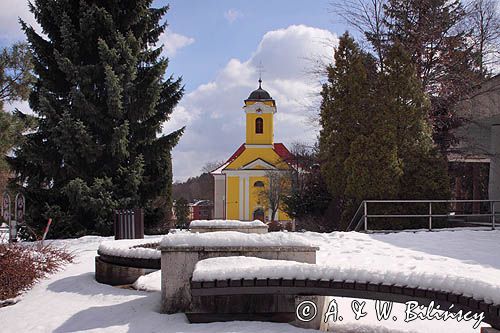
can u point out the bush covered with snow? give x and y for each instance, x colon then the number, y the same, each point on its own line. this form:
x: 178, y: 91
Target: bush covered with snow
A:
x: 23, y: 264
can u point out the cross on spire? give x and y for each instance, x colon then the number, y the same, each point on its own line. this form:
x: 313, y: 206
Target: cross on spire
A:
x: 261, y: 70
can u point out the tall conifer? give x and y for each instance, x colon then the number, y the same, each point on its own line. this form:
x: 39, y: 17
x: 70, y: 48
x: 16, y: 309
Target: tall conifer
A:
x: 375, y: 141
x: 101, y: 98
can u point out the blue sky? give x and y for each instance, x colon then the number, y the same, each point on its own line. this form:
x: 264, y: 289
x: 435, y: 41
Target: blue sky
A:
x: 217, y: 46
x: 224, y: 29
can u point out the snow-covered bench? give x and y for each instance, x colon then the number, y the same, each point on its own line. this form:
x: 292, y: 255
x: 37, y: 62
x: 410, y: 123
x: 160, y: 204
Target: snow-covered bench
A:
x: 241, y: 280
x: 180, y: 253
x: 121, y: 262
x: 256, y: 226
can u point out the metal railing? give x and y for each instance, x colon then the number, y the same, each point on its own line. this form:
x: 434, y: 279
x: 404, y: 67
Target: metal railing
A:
x: 360, y: 219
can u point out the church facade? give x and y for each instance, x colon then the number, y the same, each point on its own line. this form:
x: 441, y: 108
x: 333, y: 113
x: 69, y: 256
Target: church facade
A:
x: 240, y: 181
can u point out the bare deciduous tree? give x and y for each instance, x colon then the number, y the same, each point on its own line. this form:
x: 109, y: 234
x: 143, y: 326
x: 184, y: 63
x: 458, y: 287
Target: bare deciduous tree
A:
x: 368, y: 17
x: 483, y: 18
x: 270, y: 196
x: 211, y: 166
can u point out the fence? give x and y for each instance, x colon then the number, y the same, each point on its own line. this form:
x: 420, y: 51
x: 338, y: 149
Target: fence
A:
x: 362, y: 216
x: 129, y: 223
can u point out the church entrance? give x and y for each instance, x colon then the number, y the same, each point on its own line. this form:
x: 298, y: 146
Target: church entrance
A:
x: 258, y: 214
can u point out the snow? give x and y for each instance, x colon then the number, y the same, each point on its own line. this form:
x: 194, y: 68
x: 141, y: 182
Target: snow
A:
x: 234, y: 238
x: 218, y: 171
x: 149, y: 282
x: 72, y: 301
x: 225, y: 224
x: 131, y: 248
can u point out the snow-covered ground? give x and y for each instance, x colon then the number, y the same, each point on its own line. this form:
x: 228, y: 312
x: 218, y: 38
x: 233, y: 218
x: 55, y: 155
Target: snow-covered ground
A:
x: 71, y: 300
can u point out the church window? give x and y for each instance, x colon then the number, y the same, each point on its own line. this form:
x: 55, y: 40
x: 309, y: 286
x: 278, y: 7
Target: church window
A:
x: 258, y: 184
x: 259, y: 126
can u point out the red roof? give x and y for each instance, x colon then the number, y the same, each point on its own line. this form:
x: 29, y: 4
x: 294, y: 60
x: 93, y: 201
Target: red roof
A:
x: 282, y: 151
x: 279, y: 148
x: 236, y: 153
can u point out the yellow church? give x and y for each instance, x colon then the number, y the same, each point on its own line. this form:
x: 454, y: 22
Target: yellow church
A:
x: 239, y: 180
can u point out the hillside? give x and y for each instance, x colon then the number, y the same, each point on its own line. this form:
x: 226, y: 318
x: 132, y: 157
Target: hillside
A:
x: 195, y: 188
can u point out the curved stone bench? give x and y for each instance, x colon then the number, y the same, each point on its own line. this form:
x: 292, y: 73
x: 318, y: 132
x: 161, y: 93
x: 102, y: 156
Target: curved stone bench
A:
x: 218, y: 294
x: 120, y: 269
x: 247, y: 290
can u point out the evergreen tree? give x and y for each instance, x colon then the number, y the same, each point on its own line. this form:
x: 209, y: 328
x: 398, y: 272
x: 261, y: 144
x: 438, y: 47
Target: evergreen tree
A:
x: 424, y: 169
x: 433, y: 34
x: 376, y: 142
x: 346, y: 102
x: 101, y: 97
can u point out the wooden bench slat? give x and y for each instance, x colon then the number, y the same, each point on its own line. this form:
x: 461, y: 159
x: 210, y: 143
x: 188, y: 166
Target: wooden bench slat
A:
x: 360, y: 285
x: 274, y: 282
x: 248, y: 282
x: 261, y: 282
x: 235, y: 283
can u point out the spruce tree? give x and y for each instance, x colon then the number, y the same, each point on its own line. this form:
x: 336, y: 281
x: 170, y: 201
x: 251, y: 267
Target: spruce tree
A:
x: 101, y: 97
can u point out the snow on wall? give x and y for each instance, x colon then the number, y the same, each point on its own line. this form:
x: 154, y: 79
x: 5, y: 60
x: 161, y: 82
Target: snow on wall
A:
x: 125, y: 248
x: 480, y: 286
x: 233, y: 238
x: 225, y: 224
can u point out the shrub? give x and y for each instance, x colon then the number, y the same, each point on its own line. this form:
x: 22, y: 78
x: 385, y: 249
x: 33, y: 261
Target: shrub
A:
x: 24, y: 264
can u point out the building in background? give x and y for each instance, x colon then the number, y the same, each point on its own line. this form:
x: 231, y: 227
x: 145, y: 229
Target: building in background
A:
x: 201, y: 210
x: 238, y: 182
x: 478, y: 147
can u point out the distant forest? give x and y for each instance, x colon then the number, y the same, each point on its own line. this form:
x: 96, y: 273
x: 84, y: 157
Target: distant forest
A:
x: 195, y: 188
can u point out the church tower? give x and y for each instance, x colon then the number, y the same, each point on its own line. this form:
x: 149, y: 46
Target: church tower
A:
x: 240, y: 181
x: 260, y: 109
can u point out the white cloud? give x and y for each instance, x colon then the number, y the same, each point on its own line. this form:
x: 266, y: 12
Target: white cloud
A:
x: 232, y: 15
x: 13, y: 10
x: 216, y: 123
x: 172, y: 42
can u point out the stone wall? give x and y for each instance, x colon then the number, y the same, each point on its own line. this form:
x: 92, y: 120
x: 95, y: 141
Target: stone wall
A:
x: 178, y: 264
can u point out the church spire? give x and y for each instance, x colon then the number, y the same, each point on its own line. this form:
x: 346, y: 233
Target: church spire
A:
x: 261, y: 70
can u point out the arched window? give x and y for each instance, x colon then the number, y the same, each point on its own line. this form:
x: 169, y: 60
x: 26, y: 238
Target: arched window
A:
x: 259, y: 126
x: 258, y: 184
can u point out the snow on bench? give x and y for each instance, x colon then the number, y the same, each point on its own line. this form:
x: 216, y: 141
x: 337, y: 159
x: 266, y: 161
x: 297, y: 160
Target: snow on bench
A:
x: 203, y: 226
x: 225, y: 224
x: 481, y: 287
x: 123, y: 261
x: 131, y: 248
x: 233, y: 239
